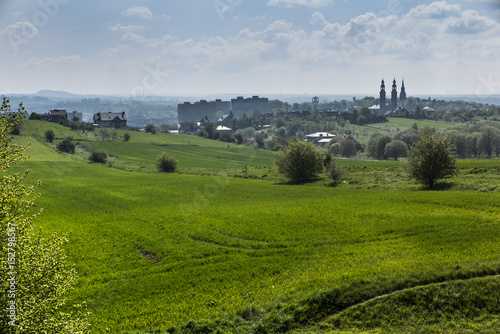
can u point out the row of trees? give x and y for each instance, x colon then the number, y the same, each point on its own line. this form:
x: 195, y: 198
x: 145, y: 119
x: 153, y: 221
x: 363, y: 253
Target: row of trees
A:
x: 430, y: 159
x: 480, y: 141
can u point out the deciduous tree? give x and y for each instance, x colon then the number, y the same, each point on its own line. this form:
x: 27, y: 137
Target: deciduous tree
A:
x: 35, y: 273
x: 396, y: 149
x: 300, y: 161
x: 432, y: 158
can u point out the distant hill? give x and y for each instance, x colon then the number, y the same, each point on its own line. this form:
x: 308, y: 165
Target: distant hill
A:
x: 57, y: 94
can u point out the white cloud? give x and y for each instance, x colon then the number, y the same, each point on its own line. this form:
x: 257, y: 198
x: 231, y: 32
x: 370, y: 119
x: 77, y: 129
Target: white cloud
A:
x: 295, y: 3
x: 53, y: 61
x: 128, y: 28
x: 138, y: 12
x: 468, y: 23
x: 435, y: 10
x: 487, y: 1
x: 119, y: 50
x: 20, y: 29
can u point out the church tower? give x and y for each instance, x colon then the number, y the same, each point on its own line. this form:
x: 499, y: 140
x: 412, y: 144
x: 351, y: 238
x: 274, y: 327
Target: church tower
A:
x: 402, y: 95
x: 394, y: 96
x: 382, y: 96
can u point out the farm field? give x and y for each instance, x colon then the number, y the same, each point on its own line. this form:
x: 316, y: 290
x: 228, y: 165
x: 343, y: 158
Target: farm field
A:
x: 154, y: 251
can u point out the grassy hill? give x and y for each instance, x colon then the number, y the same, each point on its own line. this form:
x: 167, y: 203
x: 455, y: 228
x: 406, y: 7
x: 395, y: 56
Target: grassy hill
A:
x: 155, y: 251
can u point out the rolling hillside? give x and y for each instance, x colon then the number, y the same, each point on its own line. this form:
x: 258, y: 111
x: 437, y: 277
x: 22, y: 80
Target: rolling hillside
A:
x: 154, y: 251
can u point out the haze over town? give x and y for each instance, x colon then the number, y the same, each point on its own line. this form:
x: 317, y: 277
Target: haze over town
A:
x: 137, y: 48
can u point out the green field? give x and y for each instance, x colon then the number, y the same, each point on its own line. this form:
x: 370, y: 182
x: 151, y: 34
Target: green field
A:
x: 219, y: 240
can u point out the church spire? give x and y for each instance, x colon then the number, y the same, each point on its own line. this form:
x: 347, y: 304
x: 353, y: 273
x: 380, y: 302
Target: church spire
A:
x: 382, y: 96
x: 394, y: 96
x: 402, y: 95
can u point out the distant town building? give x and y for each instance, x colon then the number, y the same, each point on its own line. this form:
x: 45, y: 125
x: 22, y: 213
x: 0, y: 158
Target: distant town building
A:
x: 110, y: 120
x: 57, y: 114
x: 255, y: 105
x: 315, y: 100
x: 319, y: 138
x: 223, y: 128
x: 73, y: 114
x: 194, y: 112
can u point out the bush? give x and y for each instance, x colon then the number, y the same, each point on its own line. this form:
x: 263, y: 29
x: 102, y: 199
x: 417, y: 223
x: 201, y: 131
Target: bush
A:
x: 239, y: 138
x: 150, y: 128
x: 35, y: 116
x: 166, y: 164
x: 66, y: 146
x: 334, y: 171
x: 300, y: 161
x: 98, y: 157
x: 376, y: 146
x: 430, y: 159
x: 126, y: 136
x: 227, y: 137
x: 50, y: 135
x: 16, y: 131
x: 396, y: 149
x: 348, y: 148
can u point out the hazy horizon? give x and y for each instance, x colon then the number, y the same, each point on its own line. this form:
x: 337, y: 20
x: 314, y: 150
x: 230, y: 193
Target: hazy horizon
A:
x: 271, y: 47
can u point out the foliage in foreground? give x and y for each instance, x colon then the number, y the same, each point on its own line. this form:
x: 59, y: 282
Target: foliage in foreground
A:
x: 432, y: 158
x: 300, y: 161
x: 35, y: 271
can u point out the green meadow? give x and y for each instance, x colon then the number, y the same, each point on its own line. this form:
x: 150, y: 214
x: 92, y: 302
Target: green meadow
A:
x: 227, y: 245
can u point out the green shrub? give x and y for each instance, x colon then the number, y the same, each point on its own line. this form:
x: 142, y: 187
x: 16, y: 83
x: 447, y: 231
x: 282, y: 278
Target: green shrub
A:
x: 227, y: 137
x: 50, y: 135
x: 66, y: 146
x: 300, y: 161
x: 166, y: 164
x: 334, y: 171
x: 16, y: 131
x: 126, y: 136
x: 150, y: 128
x: 239, y: 138
x: 98, y: 157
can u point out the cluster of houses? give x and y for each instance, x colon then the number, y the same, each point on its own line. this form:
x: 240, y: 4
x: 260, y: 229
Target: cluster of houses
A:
x: 114, y: 120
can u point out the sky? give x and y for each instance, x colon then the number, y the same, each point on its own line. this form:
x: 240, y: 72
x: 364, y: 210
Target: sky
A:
x: 190, y: 47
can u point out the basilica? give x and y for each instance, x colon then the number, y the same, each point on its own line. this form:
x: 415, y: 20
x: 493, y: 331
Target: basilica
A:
x: 384, y: 107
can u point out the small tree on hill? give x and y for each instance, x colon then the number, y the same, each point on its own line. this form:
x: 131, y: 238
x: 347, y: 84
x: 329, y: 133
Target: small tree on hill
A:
x: 348, y: 148
x: 98, y: 157
x: 104, y: 133
x: 166, y: 164
x: 150, y: 128
x: 432, y: 158
x: 50, y: 135
x: 299, y: 161
x: 334, y: 171
x: 66, y: 146
x: 396, y: 149
x: 239, y: 138
x: 126, y: 136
